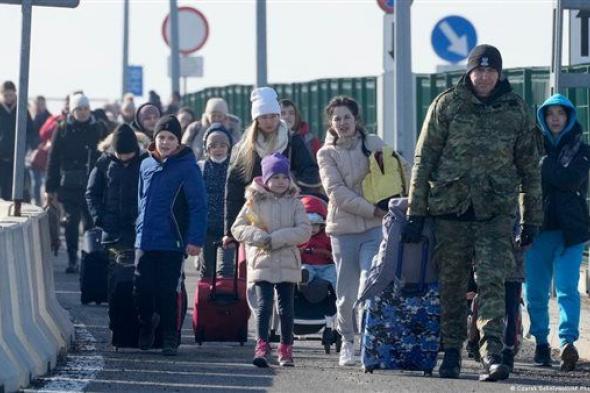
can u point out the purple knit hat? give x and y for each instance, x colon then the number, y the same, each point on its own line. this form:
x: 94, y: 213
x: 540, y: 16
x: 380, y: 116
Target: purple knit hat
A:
x: 274, y: 164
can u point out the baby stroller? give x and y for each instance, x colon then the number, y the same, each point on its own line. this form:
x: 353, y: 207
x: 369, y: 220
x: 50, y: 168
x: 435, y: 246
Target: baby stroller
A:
x: 315, y: 302
x: 315, y: 311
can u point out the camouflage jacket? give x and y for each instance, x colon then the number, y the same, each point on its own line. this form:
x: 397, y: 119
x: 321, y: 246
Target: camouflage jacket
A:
x: 475, y: 153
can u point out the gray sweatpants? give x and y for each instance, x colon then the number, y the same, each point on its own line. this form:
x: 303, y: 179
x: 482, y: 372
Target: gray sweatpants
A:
x: 353, y: 255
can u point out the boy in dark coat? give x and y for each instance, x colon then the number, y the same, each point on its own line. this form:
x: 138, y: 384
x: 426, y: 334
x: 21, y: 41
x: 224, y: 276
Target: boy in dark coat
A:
x: 217, y: 147
x: 172, y: 222
x: 111, y: 194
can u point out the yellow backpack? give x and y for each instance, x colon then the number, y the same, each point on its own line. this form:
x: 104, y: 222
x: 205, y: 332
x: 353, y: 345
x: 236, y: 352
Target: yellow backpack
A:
x: 384, y: 182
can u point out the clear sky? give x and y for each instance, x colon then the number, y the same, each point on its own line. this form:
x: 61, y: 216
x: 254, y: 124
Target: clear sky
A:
x: 307, y: 39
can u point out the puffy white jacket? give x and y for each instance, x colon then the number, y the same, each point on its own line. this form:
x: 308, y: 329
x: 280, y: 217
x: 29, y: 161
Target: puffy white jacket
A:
x: 342, y: 170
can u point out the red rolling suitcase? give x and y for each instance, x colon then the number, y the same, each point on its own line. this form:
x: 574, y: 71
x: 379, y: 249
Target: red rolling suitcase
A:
x: 221, y: 312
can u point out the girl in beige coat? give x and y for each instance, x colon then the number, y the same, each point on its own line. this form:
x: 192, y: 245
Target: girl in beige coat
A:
x: 272, y: 224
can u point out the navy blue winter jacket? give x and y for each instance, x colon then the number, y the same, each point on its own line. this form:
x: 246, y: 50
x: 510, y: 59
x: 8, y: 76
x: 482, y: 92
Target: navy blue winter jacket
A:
x: 111, y: 196
x: 172, y: 203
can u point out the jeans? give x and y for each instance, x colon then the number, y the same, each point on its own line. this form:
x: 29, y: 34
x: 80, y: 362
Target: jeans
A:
x: 75, y: 210
x: 353, y: 256
x: 265, y: 297
x: 37, y: 180
x: 325, y: 272
x: 157, y: 276
x: 547, y: 259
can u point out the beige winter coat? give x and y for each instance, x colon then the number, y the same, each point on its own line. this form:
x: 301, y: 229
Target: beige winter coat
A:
x: 343, y: 166
x: 272, y: 227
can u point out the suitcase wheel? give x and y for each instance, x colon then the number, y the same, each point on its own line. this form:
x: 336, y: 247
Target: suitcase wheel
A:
x: 241, y: 343
x: 199, y: 335
x: 84, y: 299
x: 428, y: 373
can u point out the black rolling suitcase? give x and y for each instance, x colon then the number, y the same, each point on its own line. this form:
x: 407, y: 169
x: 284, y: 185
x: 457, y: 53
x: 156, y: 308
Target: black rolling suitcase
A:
x: 94, y: 268
x: 123, y: 318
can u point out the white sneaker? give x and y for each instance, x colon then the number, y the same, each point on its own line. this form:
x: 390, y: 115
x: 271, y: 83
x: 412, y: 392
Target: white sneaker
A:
x: 347, y: 354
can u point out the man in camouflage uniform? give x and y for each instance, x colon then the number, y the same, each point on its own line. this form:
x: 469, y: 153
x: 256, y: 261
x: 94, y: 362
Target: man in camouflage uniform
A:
x: 475, y: 153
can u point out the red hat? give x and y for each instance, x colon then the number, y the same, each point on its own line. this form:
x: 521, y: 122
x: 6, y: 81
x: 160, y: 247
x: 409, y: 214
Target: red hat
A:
x: 313, y: 204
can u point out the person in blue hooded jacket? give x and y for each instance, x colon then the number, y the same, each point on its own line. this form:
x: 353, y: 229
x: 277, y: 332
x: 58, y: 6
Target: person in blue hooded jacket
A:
x: 172, y: 222
x: 557, y: 252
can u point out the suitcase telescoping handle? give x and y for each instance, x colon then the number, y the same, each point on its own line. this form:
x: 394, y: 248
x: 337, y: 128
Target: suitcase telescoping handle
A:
x: 213, y: 287
x: 424, y: 263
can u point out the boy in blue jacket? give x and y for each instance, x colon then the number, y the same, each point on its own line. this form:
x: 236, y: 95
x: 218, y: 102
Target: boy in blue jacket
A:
x: 172, y: 222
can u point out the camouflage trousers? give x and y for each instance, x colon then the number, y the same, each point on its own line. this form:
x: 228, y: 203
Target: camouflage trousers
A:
x: 487, y: 246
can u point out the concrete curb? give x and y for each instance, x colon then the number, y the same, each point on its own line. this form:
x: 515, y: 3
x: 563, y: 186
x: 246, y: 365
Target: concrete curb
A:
x: 34, y: 329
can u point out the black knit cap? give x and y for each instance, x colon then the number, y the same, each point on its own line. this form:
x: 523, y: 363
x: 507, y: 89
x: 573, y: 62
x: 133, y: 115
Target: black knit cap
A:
x: 484, y: 56
x: 169, y: 123
x: 124, y: 140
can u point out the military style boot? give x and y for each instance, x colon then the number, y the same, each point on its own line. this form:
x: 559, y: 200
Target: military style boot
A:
x: 492, y: 369
x: 508, y: 358
x: 451, y: 364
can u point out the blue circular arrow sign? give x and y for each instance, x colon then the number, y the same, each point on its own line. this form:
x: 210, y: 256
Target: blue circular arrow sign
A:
x: 453, y: 37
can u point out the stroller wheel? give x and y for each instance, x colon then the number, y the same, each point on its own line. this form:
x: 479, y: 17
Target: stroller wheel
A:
x: 337, y: 341
x: 327, y: 340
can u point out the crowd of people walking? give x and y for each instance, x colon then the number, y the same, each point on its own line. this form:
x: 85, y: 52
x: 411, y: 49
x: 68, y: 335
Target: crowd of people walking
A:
x: 503, y: 195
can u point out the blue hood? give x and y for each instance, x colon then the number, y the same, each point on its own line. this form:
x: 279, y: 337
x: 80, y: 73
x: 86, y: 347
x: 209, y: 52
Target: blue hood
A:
x: 557, y: 99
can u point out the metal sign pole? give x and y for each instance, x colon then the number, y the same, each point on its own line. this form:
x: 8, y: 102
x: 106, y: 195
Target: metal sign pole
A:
x: 261, y: 58
x: 405, y: 136
x: 175, y: 60
x: 21, y: 111
x: 125, y: 83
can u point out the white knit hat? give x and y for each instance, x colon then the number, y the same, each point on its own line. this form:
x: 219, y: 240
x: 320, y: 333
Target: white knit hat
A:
x: 264, y: 102
x: 79, y: 100
x: 216, y: 104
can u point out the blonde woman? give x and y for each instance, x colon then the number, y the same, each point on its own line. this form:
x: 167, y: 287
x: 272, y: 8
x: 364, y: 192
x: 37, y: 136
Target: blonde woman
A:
x: 267, y: 135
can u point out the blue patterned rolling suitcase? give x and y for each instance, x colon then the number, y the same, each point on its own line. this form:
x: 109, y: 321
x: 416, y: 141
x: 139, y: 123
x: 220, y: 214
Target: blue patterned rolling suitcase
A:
x: 401, y: 325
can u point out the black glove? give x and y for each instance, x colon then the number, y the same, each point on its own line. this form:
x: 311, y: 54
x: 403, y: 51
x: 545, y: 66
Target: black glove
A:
x: 412, y: 232
x: 528, y: 234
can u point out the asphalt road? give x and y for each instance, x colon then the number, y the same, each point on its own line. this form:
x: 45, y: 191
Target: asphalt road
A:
x: 94, y: 366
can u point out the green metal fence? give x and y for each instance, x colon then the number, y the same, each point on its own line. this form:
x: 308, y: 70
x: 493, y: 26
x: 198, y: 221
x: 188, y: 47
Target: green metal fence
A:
x: 310, y: 97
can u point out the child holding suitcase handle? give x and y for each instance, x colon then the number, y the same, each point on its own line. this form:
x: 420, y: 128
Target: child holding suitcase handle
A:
x: 271, y: 224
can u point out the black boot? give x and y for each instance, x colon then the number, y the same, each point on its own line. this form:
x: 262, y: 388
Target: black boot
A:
x: 72, y: 264
x: 543, y: 355
x: 492, y: 369
x: 569, y: 357
x: 451, y: 364
x: 147, y: 333
x: 169, y: 343
x: 508, y: 358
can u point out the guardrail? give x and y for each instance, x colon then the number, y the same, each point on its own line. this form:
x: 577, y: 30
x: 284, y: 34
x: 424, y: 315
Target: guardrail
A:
x: 34, y: 329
